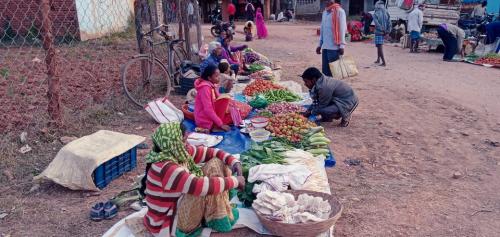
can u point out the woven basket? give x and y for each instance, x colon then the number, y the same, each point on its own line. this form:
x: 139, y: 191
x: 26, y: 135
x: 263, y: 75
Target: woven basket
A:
x: 311, y: 229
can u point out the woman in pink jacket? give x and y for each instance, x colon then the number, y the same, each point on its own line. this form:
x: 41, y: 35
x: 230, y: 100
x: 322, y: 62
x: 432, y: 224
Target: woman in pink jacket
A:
x: 210, y: 110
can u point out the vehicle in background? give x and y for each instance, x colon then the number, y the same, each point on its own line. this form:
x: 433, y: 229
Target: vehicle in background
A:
x: 436, y: 11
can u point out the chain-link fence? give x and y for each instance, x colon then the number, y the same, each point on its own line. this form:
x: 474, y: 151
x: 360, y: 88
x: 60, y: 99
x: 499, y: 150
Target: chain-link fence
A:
x: 60, y: 56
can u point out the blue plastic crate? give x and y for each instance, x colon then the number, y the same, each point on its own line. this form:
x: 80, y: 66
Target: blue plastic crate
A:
x: 114, y: 168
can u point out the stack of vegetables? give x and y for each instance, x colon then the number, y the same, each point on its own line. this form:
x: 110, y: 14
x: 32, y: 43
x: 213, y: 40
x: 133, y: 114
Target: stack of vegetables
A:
x: 285, y: 107
x: 274, y: 96
x: 316, y: 142
x: 260, y: 86
x: 491, y: 59
x: 290, y: 126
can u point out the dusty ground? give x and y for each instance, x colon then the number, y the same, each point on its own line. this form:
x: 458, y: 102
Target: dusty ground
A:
x: 419, y: 121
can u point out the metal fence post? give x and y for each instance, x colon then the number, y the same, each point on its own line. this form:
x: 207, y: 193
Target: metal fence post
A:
x: 54, y: 87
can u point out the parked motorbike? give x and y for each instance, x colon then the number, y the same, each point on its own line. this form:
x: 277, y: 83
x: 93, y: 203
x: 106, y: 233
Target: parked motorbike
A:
x: 474, y: 26
x: 220, y: 27
x: 216, y: 15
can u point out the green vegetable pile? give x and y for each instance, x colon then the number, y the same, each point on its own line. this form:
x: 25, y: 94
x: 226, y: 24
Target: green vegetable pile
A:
x: 255, y: 68
x: 266, y: 113
x: 316, y: 142
x: 268, y: 152
x: 275, y: 96
x: 259, y: 102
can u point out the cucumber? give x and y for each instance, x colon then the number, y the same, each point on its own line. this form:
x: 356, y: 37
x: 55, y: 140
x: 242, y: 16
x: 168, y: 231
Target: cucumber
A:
x: 319, y: 139
x: 315, y: 130
x: 319, y: 151
x: 319, y: 144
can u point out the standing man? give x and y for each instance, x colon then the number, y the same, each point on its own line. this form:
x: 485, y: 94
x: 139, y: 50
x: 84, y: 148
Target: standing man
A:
x: 231, y: 10
x: 190, y: 12
x: 415, y: 23
x: 332, y: 99
x: 250, y: 11
x: 480, y: 10
x: 332, y: 35
x: 382, y: 28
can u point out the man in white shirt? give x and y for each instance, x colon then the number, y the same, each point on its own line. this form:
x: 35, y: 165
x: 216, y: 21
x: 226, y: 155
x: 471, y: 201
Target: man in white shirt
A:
x: 415, y: 23
x: 480, y: 10
x: 190, y: 12
x: 332, y: 35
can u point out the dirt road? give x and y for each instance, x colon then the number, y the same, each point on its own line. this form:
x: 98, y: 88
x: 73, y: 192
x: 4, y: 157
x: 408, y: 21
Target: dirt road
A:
x: 426, y: 132
x: 420, y: 120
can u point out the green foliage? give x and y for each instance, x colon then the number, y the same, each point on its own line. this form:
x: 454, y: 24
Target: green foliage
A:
x: 4, y: 72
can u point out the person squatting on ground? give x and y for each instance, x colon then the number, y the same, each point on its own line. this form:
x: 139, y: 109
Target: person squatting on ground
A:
x: 415, y: 24
x: 453, y: 39
x: 248, y: 31
x: 332, y: 99
x: 332, y: 35
x: 382, y: 28
x: 180, y: 194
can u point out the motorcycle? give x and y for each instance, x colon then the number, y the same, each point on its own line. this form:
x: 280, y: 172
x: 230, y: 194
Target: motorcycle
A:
x: 474, y: 27
x: 220, y: 27
x: 215, y: 16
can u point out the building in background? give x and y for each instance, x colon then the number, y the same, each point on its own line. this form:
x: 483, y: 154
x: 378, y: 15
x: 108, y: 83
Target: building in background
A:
x: 76, y: 19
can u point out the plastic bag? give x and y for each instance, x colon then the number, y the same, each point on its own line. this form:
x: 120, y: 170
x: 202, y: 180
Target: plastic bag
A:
x: 343, y: 68
x: 163, y: 111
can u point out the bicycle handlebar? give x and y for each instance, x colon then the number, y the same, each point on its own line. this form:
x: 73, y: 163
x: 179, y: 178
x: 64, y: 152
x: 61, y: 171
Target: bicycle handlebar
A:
x: 161, y: 32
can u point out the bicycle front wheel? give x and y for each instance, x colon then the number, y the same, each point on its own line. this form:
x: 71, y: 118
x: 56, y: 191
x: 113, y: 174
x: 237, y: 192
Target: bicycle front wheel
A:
x: 145, y: 79
x: 177, y: 56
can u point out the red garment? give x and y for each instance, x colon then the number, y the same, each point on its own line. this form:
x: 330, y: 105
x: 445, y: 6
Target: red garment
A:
x: 335, y: 23
x: 231, y: 9
x: 354, y: 29
x: 167, y: 182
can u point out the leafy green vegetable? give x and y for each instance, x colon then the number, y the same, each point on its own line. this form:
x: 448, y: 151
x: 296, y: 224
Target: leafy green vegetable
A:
x: 258, y: 102
x: 255, y: 68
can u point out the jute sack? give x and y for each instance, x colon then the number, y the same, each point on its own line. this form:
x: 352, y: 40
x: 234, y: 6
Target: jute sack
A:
x: 343, y: 68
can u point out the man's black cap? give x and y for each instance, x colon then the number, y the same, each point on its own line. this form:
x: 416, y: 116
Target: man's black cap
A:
x: 311, y: 73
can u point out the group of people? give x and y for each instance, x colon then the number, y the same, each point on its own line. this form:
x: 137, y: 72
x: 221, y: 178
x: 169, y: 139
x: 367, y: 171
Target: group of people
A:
x: 188, y: 187
x: 253, y: 16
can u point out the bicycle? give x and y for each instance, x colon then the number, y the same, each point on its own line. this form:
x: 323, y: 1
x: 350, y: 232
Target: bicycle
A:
x: 145, y: 77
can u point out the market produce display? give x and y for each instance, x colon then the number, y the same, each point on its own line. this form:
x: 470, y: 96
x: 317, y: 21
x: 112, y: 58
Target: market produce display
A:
x: 492, y: 59
x: 268, y: 152
x: 318, y: 181
x: 260, y: 86
x: 255, y: 68
x: 285, y: 107
x: 283, y: 207
x: 281, y: 95
x: 316, y: 142
x: 259, y: 102
x: 290, y: 126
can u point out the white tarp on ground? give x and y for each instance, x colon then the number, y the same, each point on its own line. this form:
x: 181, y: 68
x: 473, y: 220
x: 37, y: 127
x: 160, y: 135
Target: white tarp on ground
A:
x: 74, y: 163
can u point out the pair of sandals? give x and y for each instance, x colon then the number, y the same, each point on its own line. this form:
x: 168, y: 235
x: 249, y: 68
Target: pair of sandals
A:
x: 103, y: 211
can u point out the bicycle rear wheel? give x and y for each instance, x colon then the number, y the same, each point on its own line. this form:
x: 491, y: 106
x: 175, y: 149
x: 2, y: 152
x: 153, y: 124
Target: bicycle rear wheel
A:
x: 145, y: 80
x: 177, y: 55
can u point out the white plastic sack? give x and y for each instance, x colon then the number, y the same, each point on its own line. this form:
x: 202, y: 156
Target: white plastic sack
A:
x: 163, y: 111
